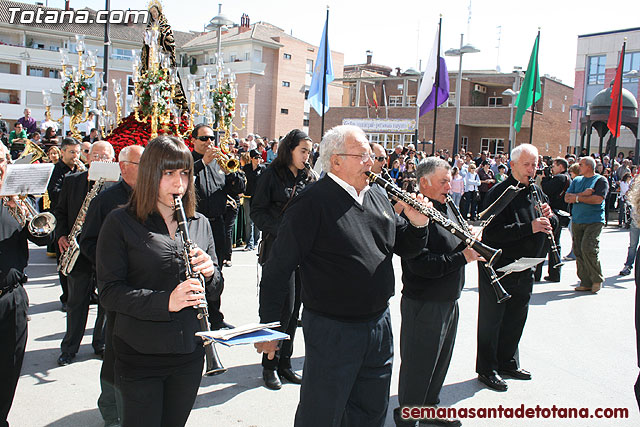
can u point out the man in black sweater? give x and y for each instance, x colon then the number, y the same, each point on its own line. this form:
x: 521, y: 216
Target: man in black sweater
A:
x: 554, y: 184
x: 108, y: 200
x: 432, y: 283
x: 343, y: 234
x: 519, y: 232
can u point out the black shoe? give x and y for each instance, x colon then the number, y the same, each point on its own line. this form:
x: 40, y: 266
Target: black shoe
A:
x: 551, y: 279
x: 221, y: 325
x: 401, y: 422
x: 63, y: 307
x: 493, y: 381
x: 99, y: 351
x: 451, y: 422
x: 93, y: 299
x: 271, y: 379
x: 66, y: 359
x: 289, y: 375
x: 518, y: 374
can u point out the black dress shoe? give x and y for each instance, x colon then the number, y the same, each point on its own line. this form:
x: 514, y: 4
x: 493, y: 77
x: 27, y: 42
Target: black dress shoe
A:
x: 450, y: 422
x: 519, y: 374
x: 221, y: 325
x: 66, y: 359
x: 401, y: 422
x: 290, y: 375
x: 99, y: 351
x: 551, y: 279
x: 271, y: 379
x: 493, y: 381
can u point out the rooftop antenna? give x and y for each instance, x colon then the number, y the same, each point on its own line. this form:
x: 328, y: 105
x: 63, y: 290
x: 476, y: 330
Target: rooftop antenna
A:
x: 498, y: 47
x: 469, y: 24
x: 418, y: 46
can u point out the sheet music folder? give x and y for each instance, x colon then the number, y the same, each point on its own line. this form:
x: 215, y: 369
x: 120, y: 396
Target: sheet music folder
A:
x: 247, y: 334
x: 520, y: 265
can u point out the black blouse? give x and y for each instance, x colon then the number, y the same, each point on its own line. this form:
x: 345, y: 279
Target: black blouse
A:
x: 138, y: 266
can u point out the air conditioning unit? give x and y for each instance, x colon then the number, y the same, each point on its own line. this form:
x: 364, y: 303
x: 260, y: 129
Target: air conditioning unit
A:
x: 479, y: 88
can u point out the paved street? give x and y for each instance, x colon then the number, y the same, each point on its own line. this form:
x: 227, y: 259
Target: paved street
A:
x: 579, y: 347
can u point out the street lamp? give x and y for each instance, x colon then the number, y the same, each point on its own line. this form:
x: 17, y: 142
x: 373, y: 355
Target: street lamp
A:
x: 459, y: 52
x: 579, y: 109
x: 634, y: 74
x: 512, y: 135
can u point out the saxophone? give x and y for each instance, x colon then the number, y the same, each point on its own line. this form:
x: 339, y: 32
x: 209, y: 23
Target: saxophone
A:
x: 70, y: 256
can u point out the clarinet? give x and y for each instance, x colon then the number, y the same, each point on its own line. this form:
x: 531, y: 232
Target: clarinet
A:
x: 501, y: 294
x: 488, y: 253
x: 214, y: 366
x: 554, y: 253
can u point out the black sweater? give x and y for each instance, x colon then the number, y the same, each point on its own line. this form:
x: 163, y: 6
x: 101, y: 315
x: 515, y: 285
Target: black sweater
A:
x: 344, y: 251
x: 511, y: 230
x: 437, y: 274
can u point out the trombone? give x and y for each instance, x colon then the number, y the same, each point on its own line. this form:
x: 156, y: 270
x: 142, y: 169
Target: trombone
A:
x: 38, y: 224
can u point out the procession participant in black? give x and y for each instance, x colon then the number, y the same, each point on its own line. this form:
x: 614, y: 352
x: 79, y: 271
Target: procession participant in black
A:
x: 281, y: 182
x: 555, y: 182
x: 13, y: 298
x: 519, y: 232
x: 235, y: 184
x: 432, y: 283
x: 81, y: 280
x: 69, y: 163
x: 211, y: 200
x: 108, y: 200
x: 343, y: 234
x: 141, y: 278
x: 252, y: 171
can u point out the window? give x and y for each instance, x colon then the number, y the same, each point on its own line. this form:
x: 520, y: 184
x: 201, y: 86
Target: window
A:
x: 563, y: 108
x: 631, y: 62
x: 233, y: 57
x: 257, y: 55
x: 373, y: 137
x: 451, y: 102
x: 411, y: 101
x: 395, y: 101
x: 36, y: 72
x: 495, y: 101
x: 309, y: 68
x: 464, y: 143
x: 284, y: 111
x: 54, y: 74
x: 124, y: 54
x: 408, y: 138
x: 286, y: 56
x: 306, y: 94
x: 484, y: 144
x: 493, y: 145
x: 305, y: 120
x: 286, y: 84
x: 400, y: 86
x: 247, y: 56
x: 551, y: 103
x: 130, y: 85
x: 596, y: 70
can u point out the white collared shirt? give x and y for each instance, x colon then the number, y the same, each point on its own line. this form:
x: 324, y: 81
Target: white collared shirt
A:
x: 350, y: 188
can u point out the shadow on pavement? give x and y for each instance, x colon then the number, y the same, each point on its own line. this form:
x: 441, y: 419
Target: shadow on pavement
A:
x: 87, y: 418
x: 38, y: 363
x: 45, y: 307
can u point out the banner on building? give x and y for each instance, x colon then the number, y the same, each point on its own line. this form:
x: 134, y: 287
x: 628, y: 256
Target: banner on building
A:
x: 383, y: 125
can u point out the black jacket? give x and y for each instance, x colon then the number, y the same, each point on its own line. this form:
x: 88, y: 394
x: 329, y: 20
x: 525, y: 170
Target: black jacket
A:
x: 555, y: 187
x: 116, y: 196
x: 252, y: 177
x: 511, y: 230
x: 210, y: 181
x: 138, y: 266
x: 275, y: 187
x: 60, y: 170
x: 437, y: 273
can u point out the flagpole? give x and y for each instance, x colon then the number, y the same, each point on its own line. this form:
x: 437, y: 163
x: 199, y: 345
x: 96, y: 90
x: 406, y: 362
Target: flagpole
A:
x: 324, y: 74
x: 535, y: 79
x: 435, y: 110
x: 619, y: 112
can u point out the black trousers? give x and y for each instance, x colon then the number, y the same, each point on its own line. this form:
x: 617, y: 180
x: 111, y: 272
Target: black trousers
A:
x: 347, y: 372
x: 282, y: 359
x: 149, y: 399
x: 63, y: 279
x: 217, y: 228
x: 500, y: 325
x: 427, y: 337
x: 107, y: 402
x: 81, y: 283
x: 230, y: 217
x: 13, y: 340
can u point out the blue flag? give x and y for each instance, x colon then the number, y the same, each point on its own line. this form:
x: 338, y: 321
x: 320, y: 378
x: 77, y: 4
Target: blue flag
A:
x: 315, y: 90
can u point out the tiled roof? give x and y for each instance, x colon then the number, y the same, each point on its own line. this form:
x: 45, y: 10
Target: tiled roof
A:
x: 261, y: 31
x: 122, y: 32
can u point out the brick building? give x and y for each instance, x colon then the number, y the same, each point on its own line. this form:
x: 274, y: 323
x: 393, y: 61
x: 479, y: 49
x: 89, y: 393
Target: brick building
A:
x: 484, y: 113
x: 596, y: 63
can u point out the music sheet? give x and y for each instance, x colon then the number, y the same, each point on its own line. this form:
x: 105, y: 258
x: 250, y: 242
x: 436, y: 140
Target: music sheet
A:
x: 26, y: 179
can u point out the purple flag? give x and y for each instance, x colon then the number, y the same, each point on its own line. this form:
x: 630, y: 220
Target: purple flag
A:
x: 442, y: 89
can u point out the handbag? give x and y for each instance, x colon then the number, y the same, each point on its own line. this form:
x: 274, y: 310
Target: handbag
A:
x: 264, y: 247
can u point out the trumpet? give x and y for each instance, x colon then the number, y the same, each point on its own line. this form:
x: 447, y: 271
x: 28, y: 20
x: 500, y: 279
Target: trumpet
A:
x: 489, y: 254
x: 38, y: 224
x: 554, y: 253
x: 226, y: 161
x: 501, y: 294
x: 80, y: 167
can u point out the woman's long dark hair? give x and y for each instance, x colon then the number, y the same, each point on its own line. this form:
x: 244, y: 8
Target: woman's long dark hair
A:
x: 285, y: 149
x: 161, y: 154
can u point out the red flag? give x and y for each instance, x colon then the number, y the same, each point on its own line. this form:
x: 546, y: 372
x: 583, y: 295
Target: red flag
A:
x: 615, y: 114
x: 375, y: 98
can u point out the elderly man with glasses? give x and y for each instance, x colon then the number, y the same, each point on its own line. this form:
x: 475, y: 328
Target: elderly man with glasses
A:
x: 346, y: 284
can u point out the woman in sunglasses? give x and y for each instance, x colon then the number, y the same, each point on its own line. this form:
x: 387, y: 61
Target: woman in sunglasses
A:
x: 278, y: 185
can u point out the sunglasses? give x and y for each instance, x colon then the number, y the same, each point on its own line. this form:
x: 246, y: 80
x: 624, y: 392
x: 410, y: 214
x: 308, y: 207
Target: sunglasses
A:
x: 205, y: 138
x: 381, y: 158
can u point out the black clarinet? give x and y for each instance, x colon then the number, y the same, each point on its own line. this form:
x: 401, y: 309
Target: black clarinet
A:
x: 214, y: 366
x: 501, y: 294
x: 488, y: 253
x: 554, y: 253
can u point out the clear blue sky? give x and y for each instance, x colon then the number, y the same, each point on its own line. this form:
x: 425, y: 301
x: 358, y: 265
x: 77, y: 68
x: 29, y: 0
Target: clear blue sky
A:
x: 401, y: 33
